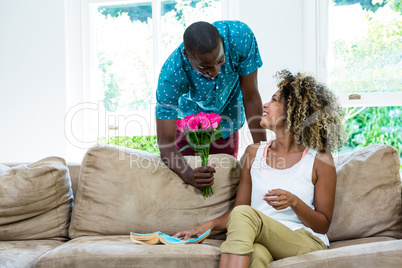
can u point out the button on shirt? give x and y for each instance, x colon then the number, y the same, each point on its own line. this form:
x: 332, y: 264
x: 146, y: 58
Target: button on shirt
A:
x: 183, y: 91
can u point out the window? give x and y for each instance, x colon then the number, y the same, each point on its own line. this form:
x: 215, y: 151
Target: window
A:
x: 116, y: 51
x: 131, y: 45
x: 364, y: 52
x: 364, y: 69
x: 355, y: 47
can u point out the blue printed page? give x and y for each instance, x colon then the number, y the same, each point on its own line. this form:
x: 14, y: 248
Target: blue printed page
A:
x: 198, y: 238
x: 175, y: 240
x: 171, y: 239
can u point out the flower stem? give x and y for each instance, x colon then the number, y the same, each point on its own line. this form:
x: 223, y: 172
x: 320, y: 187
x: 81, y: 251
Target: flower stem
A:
x: 204, y: 154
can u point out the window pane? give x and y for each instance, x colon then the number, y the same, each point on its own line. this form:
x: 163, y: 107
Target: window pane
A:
x: 125, y: 47
x: 374, y: 125
x: 178, y: 15
x: 125, y: 55
x: 365, y: 46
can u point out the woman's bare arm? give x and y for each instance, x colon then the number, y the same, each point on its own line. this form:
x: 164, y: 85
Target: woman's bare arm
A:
x: 243, y: 197
x: 324, y: 179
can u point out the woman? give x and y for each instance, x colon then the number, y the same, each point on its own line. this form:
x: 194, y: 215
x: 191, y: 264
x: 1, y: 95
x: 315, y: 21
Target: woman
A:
x: 286, y: 192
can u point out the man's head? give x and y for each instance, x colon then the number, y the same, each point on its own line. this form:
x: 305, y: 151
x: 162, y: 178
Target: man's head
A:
x: 203, y: 47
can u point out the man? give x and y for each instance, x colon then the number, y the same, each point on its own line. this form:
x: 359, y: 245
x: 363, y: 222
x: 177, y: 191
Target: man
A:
x: 213, y: 70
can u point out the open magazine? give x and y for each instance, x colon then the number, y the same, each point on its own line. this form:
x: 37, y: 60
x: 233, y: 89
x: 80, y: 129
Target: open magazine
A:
x: 161, y: 238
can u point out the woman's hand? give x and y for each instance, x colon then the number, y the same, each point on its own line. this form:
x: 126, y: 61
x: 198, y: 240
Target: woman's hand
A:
x: 197, y: 231
x: 280, y: 199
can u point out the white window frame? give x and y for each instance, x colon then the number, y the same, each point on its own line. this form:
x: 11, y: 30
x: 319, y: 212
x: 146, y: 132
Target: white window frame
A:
x: 81, y: 82
x: 315, y: 47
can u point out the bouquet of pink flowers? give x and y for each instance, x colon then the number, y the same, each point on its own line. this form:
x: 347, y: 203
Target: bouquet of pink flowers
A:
x: 201, y: 130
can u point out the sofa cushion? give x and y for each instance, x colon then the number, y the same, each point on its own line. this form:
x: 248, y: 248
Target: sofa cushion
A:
x: 122, y: 190
x: 120, y: 251
x: 368, y: 194
x: 359, y: 241
x: 24, y: 254
x: 379, y: 254
x: 35, y: 201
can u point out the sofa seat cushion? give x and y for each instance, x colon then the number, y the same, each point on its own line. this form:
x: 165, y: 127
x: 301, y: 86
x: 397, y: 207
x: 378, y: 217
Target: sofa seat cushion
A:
x: 351, y: 242
x: 23, y: 254
x: 120, y: 251
x: 36, y: 201
x: 379, y: 254
x: 122, y: 190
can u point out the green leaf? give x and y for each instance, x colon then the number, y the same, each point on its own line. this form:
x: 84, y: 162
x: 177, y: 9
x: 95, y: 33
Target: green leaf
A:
x: 218, y: 129
x: 217, y: 136
x: 184, y: 148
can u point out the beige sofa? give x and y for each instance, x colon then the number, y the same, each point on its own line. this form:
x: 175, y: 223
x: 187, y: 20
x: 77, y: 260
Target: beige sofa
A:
x: 117, y: 191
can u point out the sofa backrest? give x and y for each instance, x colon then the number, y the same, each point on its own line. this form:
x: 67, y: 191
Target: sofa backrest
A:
x: 368, y: 195
x: 120, y: 198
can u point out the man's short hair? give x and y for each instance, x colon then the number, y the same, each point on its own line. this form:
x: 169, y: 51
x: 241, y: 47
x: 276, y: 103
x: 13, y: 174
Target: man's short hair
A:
x: 201, y: 37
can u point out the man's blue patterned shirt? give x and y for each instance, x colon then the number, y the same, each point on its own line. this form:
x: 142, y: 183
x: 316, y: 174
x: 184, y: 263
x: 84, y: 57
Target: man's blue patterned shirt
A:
x: 183, y: 91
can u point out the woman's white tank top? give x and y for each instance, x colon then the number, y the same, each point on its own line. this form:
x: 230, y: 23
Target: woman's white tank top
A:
x: 296, y: 179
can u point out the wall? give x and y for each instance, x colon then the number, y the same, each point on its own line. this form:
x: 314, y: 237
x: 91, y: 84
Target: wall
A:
x: 32, y: 79
x: 277, y: 26
x: 33, y: 69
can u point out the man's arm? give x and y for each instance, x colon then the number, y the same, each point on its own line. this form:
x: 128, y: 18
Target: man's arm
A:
x: 253, y: 106
x: 166, y: 136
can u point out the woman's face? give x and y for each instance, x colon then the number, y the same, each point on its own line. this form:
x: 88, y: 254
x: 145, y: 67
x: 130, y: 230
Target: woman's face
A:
x: 273, y: 113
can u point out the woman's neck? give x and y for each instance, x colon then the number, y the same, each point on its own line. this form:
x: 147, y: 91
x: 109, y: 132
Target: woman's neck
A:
x: 285, y: 143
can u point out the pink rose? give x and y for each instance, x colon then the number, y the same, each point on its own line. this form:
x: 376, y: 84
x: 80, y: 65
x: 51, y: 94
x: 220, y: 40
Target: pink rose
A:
x: 181, y: 125
x: 193, y: 123
x: 214, y: 120
x: 186, y: 118
x: 204, y: 121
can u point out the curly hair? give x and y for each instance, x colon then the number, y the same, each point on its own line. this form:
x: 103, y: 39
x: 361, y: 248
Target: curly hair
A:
x: 312, y: 113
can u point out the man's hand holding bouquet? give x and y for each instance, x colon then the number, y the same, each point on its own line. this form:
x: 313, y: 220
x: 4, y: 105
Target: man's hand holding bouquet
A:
x: 200, y: 131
